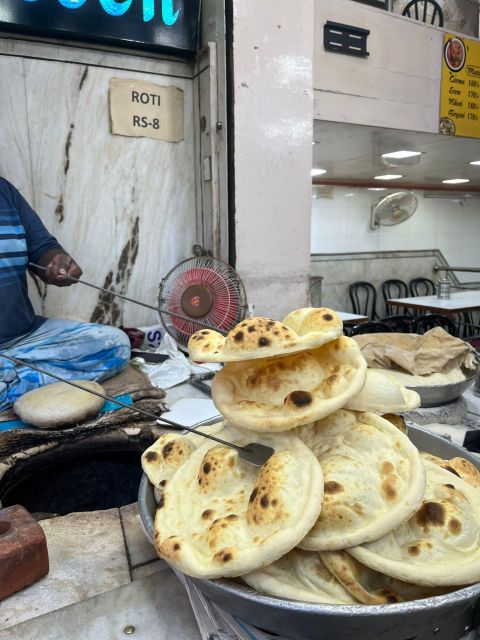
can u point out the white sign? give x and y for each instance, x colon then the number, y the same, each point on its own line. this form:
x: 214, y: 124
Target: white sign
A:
x: 146, y: 110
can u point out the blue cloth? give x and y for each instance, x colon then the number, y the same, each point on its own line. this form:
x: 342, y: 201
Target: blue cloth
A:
x: 23, y: 239
x: 71, y: 350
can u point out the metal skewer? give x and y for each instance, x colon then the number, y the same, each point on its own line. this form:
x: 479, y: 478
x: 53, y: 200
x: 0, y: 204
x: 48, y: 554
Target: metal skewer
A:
x: 142, y: 304
x: 254, y: 453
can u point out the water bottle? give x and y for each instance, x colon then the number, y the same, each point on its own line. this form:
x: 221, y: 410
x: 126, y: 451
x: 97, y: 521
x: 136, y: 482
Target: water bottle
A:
x: 443, y: 289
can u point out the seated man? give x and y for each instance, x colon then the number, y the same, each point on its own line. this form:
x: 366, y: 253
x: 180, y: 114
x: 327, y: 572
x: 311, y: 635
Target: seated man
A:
x: 72, y: 350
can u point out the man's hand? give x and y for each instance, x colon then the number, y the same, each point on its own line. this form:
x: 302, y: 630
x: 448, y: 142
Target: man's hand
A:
x: 60, y: 267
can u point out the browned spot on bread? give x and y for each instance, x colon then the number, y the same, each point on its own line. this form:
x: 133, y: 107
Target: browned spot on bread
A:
x: 253, y: 495
x: 176, y: 546
x: 167, y: 450
x: 391, y: 598
x: 452, y: 470
x: 232, y: 516
x: 332, y: 487
x: 389, y: 489
x: 454, y: 526
x: 300, y: 398
x: 206, y: 467
x: 151, y: 456
x: 264, y: 342
x: 414, y: 550
x: 450, y: 486
x: 162, y: 483
x: 207, y: 514
x: 251, y: 329
x: 358, y: 508
x: 431, y: 513
x: 264, y: 501
x: 386, y: 468
x: 327, y: 317
x: 225, y: 555
x: 205, y: 333
x: 238, y: 337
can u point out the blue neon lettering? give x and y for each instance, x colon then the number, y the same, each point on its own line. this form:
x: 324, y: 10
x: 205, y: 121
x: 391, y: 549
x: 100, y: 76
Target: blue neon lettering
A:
x: 148, y: 10
x: 114, y: 8
x: 71, y: 4
x: 168, y: 16
x: 118, y: 8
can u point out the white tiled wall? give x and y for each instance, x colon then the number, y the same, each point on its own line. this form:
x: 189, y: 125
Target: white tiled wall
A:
x: 342, y: 224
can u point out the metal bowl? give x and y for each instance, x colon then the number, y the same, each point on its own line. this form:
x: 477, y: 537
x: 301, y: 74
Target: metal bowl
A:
x: 436, y: 395
x: 446, y: 617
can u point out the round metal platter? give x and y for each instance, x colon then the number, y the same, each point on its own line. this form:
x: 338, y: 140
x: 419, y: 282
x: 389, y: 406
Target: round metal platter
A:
x: 436, y: 395
x: 446, y: 617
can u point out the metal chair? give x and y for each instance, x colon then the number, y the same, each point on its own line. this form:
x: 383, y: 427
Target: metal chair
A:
x: 429, y: 10
x: 373, y: 326
x: 399, y: 324
x: 363, y: 297
x: 421, y: 324
x: 394, y: 289
x: 422, y: 287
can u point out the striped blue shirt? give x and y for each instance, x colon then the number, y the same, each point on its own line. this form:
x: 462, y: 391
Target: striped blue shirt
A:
x: 23, y: 238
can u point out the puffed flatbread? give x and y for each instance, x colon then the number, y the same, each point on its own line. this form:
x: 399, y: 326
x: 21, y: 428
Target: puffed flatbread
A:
x: 382, y: 393
x: 170, y: 451
x: 220, y: 516
x: 278, y: 394
x: 369, y: 586
x: 439, y: 544
x: 260, y: 337
x: 59, y: 404
x: 300, y: 575
x: 374, y: 478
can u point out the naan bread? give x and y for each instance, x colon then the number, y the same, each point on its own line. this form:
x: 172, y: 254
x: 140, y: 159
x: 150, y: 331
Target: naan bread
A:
x: 169, y: 452
x: 439, y: 544
x: 59, y: 404
x: 313, y: 319
x: 300, y: 575
x: 220, y: 516
x: 459, y: 466
x: 384, y: 394
x: 374, y: 478
x: 277, y: 394
x: 369, y: 586
x: 265, y: 338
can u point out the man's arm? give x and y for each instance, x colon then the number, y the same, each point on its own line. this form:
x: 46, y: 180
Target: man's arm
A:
x: 43, y: 248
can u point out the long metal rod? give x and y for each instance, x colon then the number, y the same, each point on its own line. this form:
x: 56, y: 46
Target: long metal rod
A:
x: 147, y: 414
x: 142, y: 304
x: 470, y: 269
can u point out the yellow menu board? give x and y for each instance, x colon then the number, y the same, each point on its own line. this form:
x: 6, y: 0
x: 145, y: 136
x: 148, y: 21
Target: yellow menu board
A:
x: 460, y: 88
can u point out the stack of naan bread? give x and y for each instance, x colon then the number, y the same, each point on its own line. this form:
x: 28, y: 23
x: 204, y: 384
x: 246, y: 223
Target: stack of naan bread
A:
x: 346, y: 510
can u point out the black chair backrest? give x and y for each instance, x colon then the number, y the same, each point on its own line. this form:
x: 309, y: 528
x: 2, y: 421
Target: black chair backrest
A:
x: 422, y: 287
x: 363, y: 297
x: 399, y: 324
x: 372, y: 326
x: 393, y: 289
x: 420, y: 9
x: 421, y: 324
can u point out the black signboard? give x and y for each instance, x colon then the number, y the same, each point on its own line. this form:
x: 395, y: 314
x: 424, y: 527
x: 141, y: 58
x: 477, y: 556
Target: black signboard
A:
x: 170, y: 26
x: 380, y: 4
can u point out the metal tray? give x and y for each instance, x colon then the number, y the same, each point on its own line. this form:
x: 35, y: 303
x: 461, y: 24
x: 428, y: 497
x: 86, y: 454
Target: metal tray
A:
x: 436, y: 395
x: 448, y: 617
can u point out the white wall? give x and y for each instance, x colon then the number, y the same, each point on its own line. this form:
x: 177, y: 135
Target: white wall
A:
x: 397, y: 85
x: 342, y: 224
x: 124, y: 207
x: 273, y: 119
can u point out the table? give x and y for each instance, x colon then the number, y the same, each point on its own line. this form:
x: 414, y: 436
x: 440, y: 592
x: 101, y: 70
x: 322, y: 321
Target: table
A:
x: 351, y: 318
x: 460, y: 302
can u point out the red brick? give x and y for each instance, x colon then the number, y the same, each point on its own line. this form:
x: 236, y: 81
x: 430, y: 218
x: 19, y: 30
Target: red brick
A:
x: 23, y: 550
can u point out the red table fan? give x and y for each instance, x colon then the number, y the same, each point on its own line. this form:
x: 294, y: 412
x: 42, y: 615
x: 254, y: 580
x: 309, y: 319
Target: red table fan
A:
x: 202, y: 288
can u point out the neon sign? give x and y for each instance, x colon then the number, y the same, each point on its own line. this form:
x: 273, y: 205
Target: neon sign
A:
x: 171, y: 25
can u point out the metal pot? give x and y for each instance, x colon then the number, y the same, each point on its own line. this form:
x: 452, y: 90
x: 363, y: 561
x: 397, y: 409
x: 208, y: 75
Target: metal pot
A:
x: 448, y: 617
x: 436, y: 395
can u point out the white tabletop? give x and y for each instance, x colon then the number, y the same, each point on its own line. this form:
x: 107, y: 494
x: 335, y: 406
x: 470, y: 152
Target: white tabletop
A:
x: 460, y: 301
x: 349, y: 317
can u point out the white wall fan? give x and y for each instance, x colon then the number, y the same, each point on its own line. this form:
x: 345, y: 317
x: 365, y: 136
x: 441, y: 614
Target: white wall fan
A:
x: 393, y: 209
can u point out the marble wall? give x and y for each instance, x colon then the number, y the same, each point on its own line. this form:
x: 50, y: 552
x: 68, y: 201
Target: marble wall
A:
x: 124, y: 207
